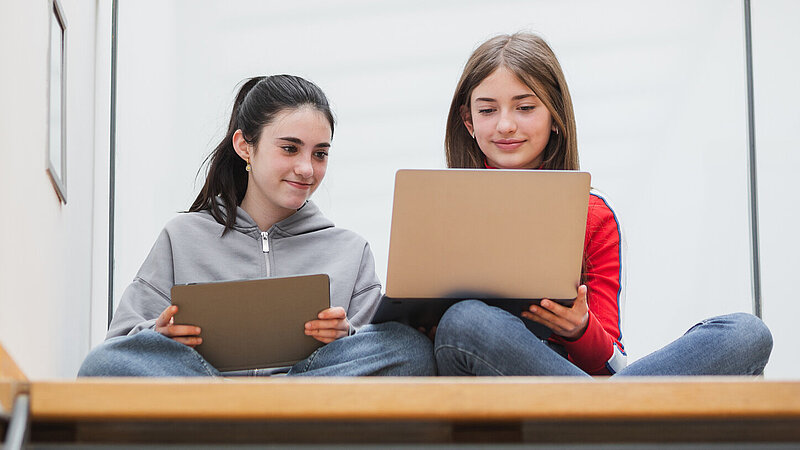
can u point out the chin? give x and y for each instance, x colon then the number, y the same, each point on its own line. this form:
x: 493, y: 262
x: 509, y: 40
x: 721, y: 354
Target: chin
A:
x: 516, y: 163
x: 297, y: 203
x: 294, y: 205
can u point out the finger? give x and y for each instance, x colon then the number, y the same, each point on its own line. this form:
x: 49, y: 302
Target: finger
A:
x: 542, y: 312
x: 190, y: 341
x: 539, y: 319
x: 324, y: 340
x: 338, y: 324
x: 181, y: 330
x: 568, y: 322
x: 336, y: 312
x: 324, y: 324
x: 575, y: 315
x: 554, y: 307
x: 333, y: 334
x: 326, y: 332
x: 565, y: 319
x: 166, y: 316
x: 572, y: 315
x: 547, y: 318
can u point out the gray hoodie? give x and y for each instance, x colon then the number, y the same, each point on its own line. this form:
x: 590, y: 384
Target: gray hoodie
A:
x: 192, y: 249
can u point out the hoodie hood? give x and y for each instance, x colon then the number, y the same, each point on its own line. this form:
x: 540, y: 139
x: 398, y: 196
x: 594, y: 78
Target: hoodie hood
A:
x: 307, y: 219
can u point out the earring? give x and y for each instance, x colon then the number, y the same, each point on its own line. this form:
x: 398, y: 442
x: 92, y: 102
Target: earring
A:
x: 473, y: 135
x: 247, y: 167
x: 556, y: 130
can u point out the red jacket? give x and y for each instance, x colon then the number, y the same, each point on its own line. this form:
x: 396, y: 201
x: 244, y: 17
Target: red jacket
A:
x: 599, y: 350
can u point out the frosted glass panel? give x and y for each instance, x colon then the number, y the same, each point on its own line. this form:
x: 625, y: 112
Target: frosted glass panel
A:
x: 658, y: 90
x: 775, y: 46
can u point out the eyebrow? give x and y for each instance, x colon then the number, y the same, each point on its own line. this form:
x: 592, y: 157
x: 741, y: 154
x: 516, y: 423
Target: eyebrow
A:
x: 298, y: 141
x: 516, y: 97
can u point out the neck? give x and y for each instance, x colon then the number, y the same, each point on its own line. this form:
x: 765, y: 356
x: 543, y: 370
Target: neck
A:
x: 264, y: 213
x: 539, y: 165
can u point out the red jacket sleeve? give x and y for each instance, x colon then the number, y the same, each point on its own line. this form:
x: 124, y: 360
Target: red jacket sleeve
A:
x: 599, y: 350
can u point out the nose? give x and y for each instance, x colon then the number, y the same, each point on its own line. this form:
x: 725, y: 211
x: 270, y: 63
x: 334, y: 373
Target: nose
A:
x: 303, y: 168
x: 506, y: 124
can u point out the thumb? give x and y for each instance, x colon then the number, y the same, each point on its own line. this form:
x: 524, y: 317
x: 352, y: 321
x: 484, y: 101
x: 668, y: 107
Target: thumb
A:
x: 582, y: 299
x: 336, y: 312
x: 166, y: 317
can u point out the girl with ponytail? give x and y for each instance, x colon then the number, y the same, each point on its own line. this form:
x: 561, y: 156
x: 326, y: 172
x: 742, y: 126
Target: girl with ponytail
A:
x: 252, y: 219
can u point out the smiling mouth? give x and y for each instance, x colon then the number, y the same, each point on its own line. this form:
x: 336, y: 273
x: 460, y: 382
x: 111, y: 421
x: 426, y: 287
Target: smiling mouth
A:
x: 299, y: 185
x: 508, y: 144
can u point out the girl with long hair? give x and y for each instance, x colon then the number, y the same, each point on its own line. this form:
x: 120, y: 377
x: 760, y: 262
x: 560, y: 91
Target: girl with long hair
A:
x: 512, y: 110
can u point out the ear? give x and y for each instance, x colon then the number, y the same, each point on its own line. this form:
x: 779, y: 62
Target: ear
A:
x: 553, y: 125
x: 466, y: 117
x: 241, y: 146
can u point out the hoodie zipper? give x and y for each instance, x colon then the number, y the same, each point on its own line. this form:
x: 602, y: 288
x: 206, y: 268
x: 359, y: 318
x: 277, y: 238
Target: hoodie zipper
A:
x: 265, y: 249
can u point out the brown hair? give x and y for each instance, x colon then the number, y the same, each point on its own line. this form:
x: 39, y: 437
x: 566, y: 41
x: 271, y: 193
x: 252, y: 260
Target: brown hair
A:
x: 530, y: 58
x: 257, y: 104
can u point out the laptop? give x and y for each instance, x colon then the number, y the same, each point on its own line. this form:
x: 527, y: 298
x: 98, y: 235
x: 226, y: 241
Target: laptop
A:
x: 253, y: 324
x: 507, y: 237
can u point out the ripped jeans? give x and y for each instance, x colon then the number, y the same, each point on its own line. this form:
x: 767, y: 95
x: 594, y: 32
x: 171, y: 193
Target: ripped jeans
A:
x: 476, y: 339
x: 385, y: 349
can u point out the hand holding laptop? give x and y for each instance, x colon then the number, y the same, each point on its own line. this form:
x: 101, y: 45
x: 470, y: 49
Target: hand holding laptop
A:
x: 568, y: 322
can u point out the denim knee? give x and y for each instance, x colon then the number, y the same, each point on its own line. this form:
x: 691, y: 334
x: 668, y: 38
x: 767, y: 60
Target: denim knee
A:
x: 98, y: 361
x: 753, y: 334
x: 744, y: 328
x: 743, y: 337
x: 411, y: 348
x: 146, y: 353
x: 464, y: 320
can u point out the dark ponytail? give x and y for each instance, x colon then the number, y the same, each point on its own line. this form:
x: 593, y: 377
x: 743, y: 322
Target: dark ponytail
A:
x: 256, y: 104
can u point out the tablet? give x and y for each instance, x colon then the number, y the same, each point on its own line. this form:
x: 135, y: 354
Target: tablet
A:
x: 253, y: 324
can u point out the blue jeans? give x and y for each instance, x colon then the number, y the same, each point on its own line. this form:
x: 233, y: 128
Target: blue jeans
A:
x: 476, y: 339
x: 385, y: 349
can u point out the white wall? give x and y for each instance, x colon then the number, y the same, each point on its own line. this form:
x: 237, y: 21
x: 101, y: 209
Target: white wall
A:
x: 658, y: 91
x: 46, y: 258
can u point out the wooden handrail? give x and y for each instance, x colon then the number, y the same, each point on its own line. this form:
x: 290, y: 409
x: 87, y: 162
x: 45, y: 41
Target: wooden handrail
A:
x: 12, y: 381
x: 462, y: 399
x: 8, y: 368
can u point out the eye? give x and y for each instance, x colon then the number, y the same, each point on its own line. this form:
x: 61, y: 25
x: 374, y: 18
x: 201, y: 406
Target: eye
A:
x: 527, y: 108
x: 321, y: 154
x: 289, y: 148
x: 485, y: 110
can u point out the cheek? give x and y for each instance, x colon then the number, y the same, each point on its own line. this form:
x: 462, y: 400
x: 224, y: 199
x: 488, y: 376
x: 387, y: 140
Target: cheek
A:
x: 283, y: 166
x: 482, y: 124
x: 320, y: 168
x: 545, y: 121
x: 319, y: 175
x: 484, y: 128
x: 268, y: 163
x: 536, y: 127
